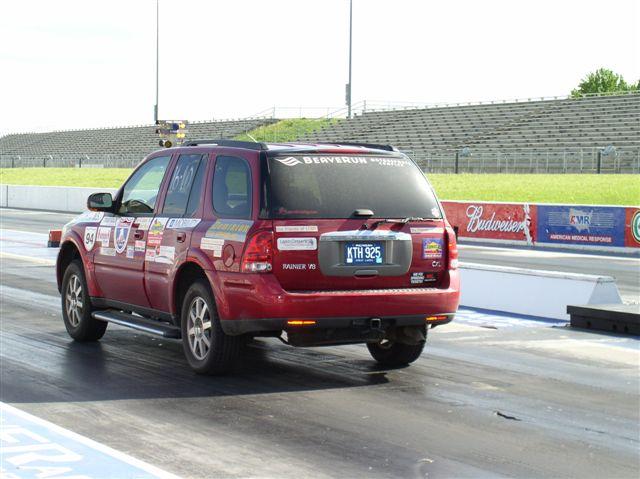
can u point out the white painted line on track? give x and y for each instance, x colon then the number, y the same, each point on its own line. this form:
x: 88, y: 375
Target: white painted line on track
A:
x: 31, y: 259
x: 31, y: 447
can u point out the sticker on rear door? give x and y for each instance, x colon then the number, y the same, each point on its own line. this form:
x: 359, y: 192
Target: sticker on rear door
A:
x: 182, y: 223
x: 420, y: 278
x: 297, y: 244
x: 431, y: 248
x: 229, y: 230
x: 154, y: 238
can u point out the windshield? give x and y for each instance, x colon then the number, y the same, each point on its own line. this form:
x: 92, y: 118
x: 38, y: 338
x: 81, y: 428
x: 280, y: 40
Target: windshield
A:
x: 335, y: 186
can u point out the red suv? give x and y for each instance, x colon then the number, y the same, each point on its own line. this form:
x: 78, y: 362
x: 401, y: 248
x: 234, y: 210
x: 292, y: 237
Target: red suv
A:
x: 219, y: 241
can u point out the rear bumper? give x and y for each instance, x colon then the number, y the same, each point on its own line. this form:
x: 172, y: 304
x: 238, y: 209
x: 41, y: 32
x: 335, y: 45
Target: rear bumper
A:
x: 256, y: 302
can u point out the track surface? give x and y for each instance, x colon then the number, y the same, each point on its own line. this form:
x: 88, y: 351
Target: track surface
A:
x: 526, y: 401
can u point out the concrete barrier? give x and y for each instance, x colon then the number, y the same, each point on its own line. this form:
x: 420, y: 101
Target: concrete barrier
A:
x: 52, y: 198
x: 3, y: 195
x: 532, y: 292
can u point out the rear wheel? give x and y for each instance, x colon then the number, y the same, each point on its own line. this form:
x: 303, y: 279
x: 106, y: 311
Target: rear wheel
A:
x: 76, y: 306
x: 207, y: 348
x: 391, y: 353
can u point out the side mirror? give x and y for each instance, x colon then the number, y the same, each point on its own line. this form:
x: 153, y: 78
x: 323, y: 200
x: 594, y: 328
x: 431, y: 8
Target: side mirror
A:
x: 100, y: 202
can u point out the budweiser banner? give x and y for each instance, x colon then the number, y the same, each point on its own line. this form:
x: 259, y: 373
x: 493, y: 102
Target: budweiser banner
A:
x: 493, y: 221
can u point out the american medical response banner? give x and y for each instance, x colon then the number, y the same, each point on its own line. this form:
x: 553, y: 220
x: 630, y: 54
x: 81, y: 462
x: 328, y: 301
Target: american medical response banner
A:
x: 586, y: 225
x: 493, y: 221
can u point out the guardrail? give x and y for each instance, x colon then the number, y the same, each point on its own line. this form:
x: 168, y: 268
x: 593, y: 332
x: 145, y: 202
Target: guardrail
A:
x: 528, y: 160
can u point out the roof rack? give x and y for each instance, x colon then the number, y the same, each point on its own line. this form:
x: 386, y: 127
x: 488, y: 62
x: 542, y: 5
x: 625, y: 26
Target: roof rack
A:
x: 365, y: 145
x: 250, y: 145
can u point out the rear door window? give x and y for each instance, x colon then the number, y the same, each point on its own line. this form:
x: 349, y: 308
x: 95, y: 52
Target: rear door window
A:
x: 232, y: 187
x: 335, y: 186
x: 140, y: 193
x: 184, y: 188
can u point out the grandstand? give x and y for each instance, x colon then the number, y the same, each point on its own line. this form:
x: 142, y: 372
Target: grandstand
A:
x: 118, y: 146
x: 568, y: 133
x: 555, y: 135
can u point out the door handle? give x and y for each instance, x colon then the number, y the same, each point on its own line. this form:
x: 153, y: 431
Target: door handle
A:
x: 139, y: 234
x: 181, y: 236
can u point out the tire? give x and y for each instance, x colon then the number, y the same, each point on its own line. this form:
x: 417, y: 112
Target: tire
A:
x: 76, y: 306
x: 200, y: 325
x: 390, y: 353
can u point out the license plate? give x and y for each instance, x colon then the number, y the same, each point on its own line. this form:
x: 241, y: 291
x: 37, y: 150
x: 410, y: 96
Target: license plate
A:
x: 363, y: 253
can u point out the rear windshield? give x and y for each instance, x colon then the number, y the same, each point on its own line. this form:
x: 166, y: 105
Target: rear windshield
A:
x: 335, y: 186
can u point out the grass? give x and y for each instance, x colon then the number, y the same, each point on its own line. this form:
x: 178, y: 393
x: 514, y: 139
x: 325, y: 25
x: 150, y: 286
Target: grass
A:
x: 576, y: 189
x: 287, y: 130
x: 99, y: 177
x: 569, y: 189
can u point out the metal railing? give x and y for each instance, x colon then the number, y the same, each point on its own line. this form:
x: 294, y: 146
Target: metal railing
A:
x: 70, y: 161
x: 466, y: 160
x: 528, y: 160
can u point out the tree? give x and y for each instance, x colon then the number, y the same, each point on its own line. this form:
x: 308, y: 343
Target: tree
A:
x: 603, y: 81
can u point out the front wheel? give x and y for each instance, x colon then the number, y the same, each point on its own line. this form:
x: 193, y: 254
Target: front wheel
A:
x: 76, y: 306
x: 207, y: 348
x: 391, y: 353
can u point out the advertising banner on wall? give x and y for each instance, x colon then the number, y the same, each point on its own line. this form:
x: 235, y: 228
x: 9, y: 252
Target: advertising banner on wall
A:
x: 493, y: 221
x: 632, y: 228
x: 581, y: 225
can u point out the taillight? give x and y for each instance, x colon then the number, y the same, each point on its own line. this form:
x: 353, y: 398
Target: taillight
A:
x: 452, y: 248
x: 258, y: 253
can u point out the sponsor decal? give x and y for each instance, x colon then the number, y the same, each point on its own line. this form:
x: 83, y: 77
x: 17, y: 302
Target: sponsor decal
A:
x: 431, y: 248
x: 130, y: 252
x: 154, y: 238
x: 89, y: 237
x: 514, y: 222
x: 299, y: 266
x: 586, y: 225
x: 150, y: 254
x: 632, y: 228
x: 108, y: 221
x: 121, y: 233
x: 165, y: 254
x: 143, y: 222
x: 289, y: 161
x: 182, y: 223
x: 140, y: 246
x: 213, y: 244
x: 421, y: 278
x: 107, y: 251
x: 104, y: 235
x: 342, y: 160
x: 229, y: 230
x: 297, y: 244
x: 88, y: 217
x: 297, y: 229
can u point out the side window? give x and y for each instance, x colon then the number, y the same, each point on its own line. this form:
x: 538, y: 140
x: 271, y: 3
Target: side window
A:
x: 180, y: 187
x: 141, y: 190
x: 232, y: 187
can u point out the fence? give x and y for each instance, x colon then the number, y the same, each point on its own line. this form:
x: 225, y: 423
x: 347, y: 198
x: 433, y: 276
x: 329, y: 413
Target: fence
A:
x: 70, y: 161
x: 529, y: 160
x: 481, y: 160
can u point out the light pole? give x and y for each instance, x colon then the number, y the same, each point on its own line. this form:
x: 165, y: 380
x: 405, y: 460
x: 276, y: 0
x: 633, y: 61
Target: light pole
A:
x: 155, y: 107
x: 350, y: 48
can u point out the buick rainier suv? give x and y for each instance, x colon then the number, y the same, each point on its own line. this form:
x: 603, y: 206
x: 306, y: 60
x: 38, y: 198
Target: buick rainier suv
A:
x: 218, y: 242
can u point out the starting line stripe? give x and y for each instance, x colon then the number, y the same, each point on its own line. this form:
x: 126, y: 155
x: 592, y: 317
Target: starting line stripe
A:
x: 31, y: 447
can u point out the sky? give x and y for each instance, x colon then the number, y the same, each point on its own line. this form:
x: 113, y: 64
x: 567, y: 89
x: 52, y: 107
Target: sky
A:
x: 68, y: 64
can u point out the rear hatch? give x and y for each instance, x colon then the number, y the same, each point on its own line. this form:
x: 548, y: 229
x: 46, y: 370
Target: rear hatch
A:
x: 353, y: 222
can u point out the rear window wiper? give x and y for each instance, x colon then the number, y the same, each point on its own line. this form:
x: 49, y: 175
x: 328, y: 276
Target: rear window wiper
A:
x: 403, y: 221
